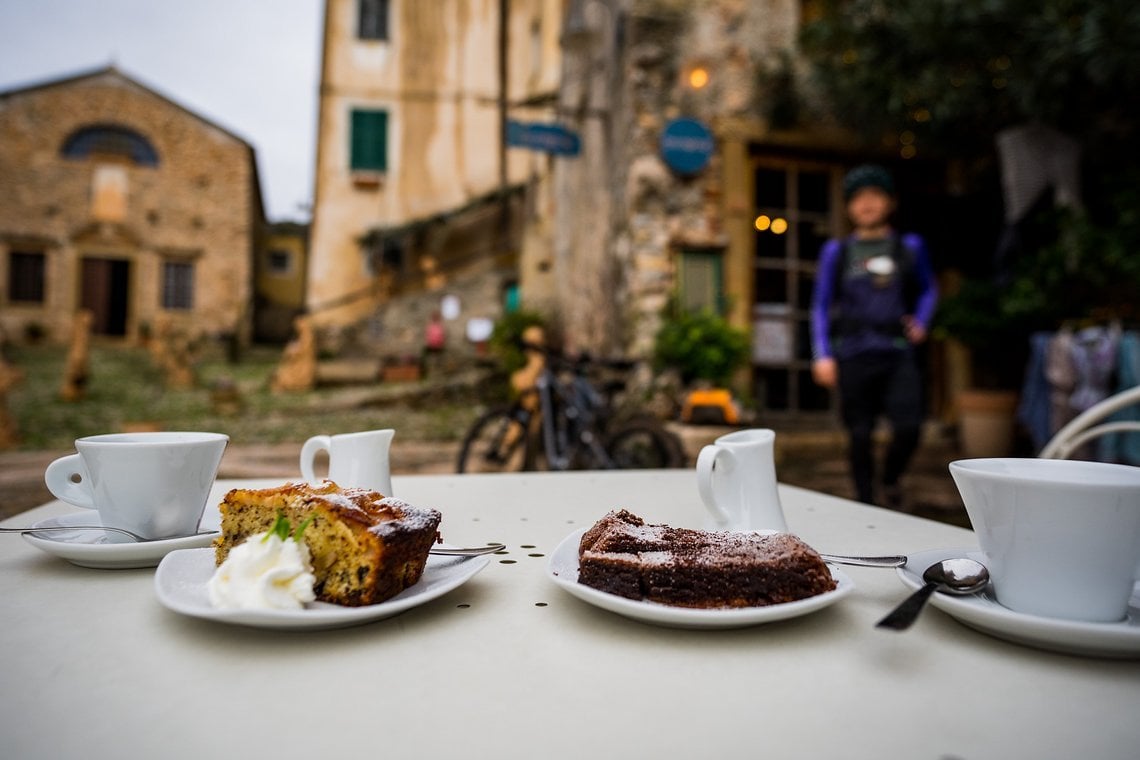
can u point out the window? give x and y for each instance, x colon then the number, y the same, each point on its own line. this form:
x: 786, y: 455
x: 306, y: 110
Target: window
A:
x: 372, y: 21
x: 278, y: 261
x: 387, y: 255
x: 701, y: 281
x: 177, y: 285
x: 109, y: 140
x: 369, y: 141
x: 26, y: 277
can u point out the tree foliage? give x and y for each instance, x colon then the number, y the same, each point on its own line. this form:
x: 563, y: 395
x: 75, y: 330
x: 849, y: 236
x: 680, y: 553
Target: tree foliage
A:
x: 948, y: 74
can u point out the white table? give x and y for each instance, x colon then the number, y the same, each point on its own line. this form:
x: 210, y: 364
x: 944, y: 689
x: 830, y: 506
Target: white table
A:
x: 510, y: 666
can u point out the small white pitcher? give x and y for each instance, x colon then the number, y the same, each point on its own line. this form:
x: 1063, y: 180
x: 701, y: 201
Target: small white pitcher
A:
x: 356, y: 460
x: 736, y: 476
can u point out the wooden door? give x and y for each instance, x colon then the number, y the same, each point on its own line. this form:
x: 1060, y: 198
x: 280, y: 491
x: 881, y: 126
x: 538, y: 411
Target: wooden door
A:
x: 106, y: 294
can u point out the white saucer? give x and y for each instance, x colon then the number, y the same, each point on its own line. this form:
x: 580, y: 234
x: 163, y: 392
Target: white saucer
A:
x: 95, y: 548
x: 181, y: 578
x: 982, y: 611
x: 562, y: 569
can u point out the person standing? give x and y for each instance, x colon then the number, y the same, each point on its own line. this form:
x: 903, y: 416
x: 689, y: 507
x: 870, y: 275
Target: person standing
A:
x: 435, y: 341
x: 872, y: 303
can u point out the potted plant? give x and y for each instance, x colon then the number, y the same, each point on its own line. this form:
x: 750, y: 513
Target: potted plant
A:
x: 706, y: 352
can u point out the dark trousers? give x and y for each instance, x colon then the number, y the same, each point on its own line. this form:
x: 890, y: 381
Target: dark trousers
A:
x: 876, y: 384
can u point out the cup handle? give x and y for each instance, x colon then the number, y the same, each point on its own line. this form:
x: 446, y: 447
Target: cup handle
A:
x: 309, y: 453
x: 68, y: 480
x: 706, y: 462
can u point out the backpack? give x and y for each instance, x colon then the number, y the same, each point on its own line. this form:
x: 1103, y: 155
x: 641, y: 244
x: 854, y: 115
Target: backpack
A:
x: 903, y: 258
x: 904, y: 264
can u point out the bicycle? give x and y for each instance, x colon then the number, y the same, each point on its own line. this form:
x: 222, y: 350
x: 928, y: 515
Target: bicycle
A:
x: 564, y: 422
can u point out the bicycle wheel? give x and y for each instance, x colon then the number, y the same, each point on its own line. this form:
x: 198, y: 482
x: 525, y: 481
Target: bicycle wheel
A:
x: 497, y: 442
x: 641, y: 444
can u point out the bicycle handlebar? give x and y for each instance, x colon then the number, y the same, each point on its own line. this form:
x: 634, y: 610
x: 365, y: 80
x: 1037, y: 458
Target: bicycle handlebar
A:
x: 582, y: 360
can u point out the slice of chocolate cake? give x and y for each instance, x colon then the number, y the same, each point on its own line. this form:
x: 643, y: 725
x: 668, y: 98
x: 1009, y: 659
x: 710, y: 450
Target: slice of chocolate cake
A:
x: 622, y: 555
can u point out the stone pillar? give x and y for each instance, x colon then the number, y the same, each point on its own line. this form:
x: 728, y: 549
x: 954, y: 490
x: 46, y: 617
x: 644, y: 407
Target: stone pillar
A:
x: 77, y: 370
x: 298, y: 368
x: 10, y: 376
x: 171, y: 350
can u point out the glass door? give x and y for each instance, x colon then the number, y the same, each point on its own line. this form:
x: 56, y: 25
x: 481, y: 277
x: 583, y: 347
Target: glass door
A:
x: 797, y: 207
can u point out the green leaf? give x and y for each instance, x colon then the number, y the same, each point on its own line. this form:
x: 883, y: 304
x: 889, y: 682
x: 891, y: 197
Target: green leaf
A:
x: 301, y: 528
x: 280, y: 528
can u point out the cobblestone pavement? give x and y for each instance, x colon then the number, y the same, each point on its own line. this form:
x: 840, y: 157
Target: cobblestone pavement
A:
x: 814, y: 460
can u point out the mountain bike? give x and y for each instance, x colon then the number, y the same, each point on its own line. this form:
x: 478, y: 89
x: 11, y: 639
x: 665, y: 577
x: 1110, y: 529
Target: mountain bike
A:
x: 566, y: 422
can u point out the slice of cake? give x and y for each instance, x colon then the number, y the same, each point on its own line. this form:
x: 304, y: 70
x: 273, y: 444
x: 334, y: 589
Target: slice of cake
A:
x: 365, y: 547
x: 622, y: 555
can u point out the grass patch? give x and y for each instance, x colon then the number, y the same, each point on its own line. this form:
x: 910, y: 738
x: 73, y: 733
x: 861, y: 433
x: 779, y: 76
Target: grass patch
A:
x: 126, y: 388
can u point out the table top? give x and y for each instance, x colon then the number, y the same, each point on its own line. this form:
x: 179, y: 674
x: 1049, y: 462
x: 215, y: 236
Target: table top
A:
x: 510, y: 665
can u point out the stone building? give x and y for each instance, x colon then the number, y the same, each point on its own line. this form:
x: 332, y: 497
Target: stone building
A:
x: 709, y: 174
x: 418, y: 201
x: 117, y: 200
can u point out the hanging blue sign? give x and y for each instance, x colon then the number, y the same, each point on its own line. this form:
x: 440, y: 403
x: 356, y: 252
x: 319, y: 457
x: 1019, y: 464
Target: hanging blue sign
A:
x: 547, y: 138
x: 687, y: 145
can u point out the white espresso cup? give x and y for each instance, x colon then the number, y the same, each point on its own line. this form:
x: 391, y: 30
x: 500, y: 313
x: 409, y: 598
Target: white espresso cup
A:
x: 1061, y: 538
x: 736, y: 477
x: 154, y: 484
x: 356, y: 460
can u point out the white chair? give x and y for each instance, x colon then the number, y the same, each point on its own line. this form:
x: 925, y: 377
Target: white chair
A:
x: 1083, y: 428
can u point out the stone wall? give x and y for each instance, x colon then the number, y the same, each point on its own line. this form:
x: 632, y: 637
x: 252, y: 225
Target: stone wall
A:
x: 634, y: 76
x: 200, y: 204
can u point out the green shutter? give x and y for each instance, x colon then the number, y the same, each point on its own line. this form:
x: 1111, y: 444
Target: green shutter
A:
x: 369, y: 141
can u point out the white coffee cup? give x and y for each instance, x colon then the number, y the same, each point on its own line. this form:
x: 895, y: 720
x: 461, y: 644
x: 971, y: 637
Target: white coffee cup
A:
x: 1061, y: 538
x: 356, y: 460
x: 154, y: 484
x: 736, y: 477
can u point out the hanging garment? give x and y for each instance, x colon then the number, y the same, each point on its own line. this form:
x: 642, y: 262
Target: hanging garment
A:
x: 1094, y: 359
x: 1034, y: 407
x: 1124, y: 447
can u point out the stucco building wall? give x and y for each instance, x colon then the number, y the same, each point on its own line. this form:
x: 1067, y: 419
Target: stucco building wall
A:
x: 437, y: 77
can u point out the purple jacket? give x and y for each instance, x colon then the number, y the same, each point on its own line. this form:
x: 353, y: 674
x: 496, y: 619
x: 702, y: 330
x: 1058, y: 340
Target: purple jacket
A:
x: 872, y: 315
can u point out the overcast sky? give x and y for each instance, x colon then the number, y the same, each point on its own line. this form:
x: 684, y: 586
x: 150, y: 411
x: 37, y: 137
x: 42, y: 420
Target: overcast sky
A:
x: 250, y: 66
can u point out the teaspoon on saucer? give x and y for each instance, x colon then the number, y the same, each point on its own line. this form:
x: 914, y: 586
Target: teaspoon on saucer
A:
x: 957, y: 575
x: 447, y: 550
x: 129, y: 534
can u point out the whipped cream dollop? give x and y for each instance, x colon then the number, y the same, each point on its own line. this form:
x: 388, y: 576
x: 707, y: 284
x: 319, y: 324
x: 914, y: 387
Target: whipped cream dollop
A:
x: 266, y: 572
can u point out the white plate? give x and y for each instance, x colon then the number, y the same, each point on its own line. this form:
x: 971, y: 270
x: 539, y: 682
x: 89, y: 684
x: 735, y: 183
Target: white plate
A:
x: 982, y: 611
x: 181, y: 578
x: 95, y: 548
x: 563, y: 570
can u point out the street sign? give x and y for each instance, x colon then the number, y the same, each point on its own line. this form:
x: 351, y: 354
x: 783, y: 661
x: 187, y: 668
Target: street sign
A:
x: 687, y: 145
x: 547, y: 138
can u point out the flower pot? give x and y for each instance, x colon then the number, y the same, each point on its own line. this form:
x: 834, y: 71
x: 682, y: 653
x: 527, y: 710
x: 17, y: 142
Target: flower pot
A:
x: 986, y: 422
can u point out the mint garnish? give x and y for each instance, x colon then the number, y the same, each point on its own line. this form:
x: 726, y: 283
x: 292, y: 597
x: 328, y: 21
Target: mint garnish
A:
x: 282, y: 528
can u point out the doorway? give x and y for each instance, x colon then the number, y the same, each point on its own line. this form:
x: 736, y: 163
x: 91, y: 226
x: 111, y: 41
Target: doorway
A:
x: 795, y: 212
x: 106, y: 294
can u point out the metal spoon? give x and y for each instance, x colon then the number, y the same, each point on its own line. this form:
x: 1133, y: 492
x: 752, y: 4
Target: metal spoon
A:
x: 887, y: 561
x: 129, y: 534
x: 448, y: 550
x: 958, y: 576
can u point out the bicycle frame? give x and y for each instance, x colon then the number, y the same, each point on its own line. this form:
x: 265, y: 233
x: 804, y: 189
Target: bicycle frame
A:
x: 572, y: 424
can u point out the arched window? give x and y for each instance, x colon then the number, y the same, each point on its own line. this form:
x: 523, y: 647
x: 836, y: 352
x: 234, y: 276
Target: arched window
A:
x: 106, y: 139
